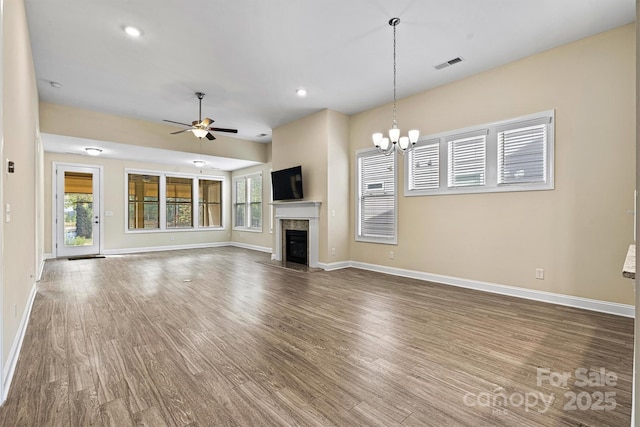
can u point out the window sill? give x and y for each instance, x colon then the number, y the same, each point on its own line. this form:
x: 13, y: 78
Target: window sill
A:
x: 380, y: 241
x: 250, y: 230
x: 172, y: 230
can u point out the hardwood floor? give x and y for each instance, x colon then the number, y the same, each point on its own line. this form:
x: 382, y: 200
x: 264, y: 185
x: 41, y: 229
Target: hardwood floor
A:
x: 211, y: 337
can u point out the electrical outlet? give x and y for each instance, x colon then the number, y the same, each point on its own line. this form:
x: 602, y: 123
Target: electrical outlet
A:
x: 391, y: 255
x: 540, y: 273
x: 333, y: 251
x: 172, y: 238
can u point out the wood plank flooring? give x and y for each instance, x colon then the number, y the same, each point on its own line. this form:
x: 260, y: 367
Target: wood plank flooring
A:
x: 216, y: 337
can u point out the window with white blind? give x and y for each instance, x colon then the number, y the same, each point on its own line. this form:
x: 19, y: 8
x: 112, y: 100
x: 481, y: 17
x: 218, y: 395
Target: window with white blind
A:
x: 377, y: 202
x: 424, y: 167
x: 467, y: 161
x: 522, y: 153
x: 510, y: 155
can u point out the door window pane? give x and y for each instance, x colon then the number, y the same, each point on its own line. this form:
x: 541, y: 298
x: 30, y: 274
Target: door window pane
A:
x: 78, y: 209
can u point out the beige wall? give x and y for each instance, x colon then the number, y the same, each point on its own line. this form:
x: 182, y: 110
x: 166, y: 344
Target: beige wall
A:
x: 115, y: 238
x: 319, y: 143
x: 261, y: 239
x: 338, y: 236
x: 21, y: 256
x: 578, y: 232
x: 80, y: 123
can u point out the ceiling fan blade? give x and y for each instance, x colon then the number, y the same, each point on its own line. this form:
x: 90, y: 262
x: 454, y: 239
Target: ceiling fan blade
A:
x: 178, y: 123
x: 210, y: 137
x: 206, y: 122
x: 224, y: 130
x: 180, y: 131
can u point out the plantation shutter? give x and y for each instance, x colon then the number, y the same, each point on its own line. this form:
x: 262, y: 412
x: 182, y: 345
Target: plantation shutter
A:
x: 467, y: 160
x: 424, y: 170
x: 377, y: 196
x: 522, y: 154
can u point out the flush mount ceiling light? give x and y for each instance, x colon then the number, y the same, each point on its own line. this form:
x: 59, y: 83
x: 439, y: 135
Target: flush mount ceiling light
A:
x: 395, y: 141
x: 92, y: 151
x: 301, y: 92
x: 199, y: 163
x: 132, y: 31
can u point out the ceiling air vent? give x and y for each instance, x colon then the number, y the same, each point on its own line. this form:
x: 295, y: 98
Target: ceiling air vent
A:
x: 449, y: 62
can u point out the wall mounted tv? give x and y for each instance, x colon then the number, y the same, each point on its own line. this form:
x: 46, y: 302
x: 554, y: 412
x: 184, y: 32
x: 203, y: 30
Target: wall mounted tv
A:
x: 287, y: 183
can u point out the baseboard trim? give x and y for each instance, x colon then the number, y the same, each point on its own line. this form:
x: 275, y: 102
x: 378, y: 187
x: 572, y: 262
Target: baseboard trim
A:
x: 16, y: 346
x: 251, y: 247
x: 531, y: 294
x: 124, y: 251
x: 332, y: 266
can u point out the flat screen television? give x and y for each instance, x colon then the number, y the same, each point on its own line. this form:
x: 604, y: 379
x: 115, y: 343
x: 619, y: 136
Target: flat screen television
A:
x: 287, y: 183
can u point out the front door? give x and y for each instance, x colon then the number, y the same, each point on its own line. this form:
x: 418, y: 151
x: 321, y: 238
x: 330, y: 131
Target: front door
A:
x: 77, y: 210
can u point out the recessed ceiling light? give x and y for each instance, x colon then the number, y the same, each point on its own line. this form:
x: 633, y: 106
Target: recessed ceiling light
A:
x: 301, y: 92
x: 92, y: 151
x: 132, y: 31
x: 199, y: 163
x: 55, y: 85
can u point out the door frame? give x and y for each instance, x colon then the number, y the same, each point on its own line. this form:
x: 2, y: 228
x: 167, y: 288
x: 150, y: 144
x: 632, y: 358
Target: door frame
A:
x: 54, y: 204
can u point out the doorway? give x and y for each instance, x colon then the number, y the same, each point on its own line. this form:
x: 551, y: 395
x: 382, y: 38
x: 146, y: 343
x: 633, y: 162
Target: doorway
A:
x: 77, y: 210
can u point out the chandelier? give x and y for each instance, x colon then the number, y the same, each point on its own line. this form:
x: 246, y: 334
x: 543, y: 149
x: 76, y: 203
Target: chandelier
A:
x: 388, y: 145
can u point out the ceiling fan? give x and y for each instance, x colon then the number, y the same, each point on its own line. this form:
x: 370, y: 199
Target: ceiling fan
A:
x: 200, y: 128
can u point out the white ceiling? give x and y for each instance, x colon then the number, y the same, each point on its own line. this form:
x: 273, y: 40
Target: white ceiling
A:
x: 250, y: 56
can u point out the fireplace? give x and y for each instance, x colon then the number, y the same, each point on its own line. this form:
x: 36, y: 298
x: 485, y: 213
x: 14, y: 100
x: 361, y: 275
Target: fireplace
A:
x: 299, y: 216
x: 296, y: 246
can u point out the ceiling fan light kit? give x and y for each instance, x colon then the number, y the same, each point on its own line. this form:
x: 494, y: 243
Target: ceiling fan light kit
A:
x: 201, y: 128
x: 395, y: 142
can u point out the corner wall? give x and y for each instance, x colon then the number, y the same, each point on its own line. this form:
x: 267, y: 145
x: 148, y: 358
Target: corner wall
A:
x: 578, y: 232
x: 22, y: 252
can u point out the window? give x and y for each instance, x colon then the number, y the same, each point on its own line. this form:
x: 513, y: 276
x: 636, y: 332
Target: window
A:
x: 522, y: 151
x: 511, y: 155
x: 376, y: 210
x: 143, y: 201
x: 425, y: 164
x: 467, y: 161
x: 209, y: 203
x: 162, y: 202
x: 247, y: 202
x: 179, y: 202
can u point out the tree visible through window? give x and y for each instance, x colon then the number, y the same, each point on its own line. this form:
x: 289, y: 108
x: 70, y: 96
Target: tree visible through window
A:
x: 179, y: 202
x: 210, y: 203
x: 144, y: 203
x: 247, y: 202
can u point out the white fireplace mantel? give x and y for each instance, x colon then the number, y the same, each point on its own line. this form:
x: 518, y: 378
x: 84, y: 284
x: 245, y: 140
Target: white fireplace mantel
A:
x: 305, y: 210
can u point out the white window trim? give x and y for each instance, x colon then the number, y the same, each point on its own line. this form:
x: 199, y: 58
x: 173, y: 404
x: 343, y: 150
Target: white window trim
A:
x: 162, y: 191
x: 247, y: 226
x: 491, y: 167
x: 358, y: 238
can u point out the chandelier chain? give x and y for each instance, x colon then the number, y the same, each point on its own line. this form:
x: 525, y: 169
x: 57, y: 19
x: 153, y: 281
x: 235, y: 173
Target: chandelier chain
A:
x: 394, y: 75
